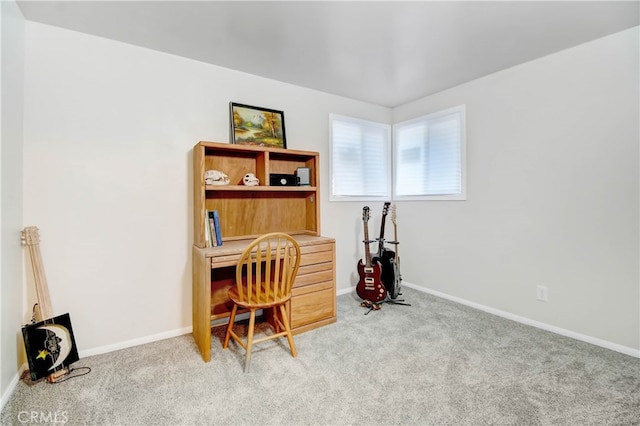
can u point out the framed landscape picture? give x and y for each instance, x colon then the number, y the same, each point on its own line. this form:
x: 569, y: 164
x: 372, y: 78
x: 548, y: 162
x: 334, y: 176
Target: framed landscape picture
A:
x: 252, y: 125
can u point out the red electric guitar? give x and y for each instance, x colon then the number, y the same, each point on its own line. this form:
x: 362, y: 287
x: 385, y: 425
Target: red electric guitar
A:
x: 370, y: 286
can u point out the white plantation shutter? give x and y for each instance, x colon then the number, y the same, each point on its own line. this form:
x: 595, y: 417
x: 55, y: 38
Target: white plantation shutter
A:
x: 429, y: 156
x: 360, y: 159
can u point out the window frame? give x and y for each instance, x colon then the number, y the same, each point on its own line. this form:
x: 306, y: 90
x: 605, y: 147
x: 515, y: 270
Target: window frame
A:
x: 462, y: 196
x: 387, y: 128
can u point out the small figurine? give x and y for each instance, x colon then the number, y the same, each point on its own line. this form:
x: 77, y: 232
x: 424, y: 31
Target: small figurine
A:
x: 215, y: 177
x: 250, y: 180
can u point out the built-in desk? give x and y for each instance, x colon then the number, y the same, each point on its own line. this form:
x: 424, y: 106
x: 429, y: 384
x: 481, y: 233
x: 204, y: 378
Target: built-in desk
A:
x: 312, y: 305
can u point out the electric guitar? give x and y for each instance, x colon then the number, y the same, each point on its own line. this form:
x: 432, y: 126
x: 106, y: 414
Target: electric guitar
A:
x: 370, y: 285
x: 396, y: 287
x: 385, y: 256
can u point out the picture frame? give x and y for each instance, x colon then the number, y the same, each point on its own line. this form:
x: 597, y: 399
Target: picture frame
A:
x: 251, y: 125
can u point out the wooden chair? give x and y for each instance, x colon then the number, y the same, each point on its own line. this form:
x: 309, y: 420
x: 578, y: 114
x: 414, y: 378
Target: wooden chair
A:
x: 264, y: 278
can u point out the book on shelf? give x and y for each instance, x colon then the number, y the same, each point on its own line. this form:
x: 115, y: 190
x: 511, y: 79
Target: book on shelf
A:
x: 216, y: 222
x: 207, y: 231
x: 212, y: 229
x: 213, y: 234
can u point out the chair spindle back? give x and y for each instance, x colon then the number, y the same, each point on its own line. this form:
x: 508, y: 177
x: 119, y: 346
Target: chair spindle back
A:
x: 270, y: 265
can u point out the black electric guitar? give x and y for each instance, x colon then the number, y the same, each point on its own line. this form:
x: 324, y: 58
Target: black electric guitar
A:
x: 386, y: 257
x: 370, y: 285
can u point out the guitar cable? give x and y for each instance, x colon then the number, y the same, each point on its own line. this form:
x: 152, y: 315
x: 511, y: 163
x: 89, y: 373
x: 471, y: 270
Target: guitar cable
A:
x: 68, y: 375
x: 371, y: 305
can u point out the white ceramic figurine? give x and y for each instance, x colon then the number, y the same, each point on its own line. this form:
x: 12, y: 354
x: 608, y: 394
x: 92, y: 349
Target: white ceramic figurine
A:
x: 250, y: 180
x: 215, y: 177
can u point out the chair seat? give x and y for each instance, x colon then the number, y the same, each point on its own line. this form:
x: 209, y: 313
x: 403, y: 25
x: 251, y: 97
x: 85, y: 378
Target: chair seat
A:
x: 261, y: 303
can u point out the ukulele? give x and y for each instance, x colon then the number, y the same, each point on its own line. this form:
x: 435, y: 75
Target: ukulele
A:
x: 42, y: 310
x: 385, y: 256
x: 397, y: 278
x: 370, y: 285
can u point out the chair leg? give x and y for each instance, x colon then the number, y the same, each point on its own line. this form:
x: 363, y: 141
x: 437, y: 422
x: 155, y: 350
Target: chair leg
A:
x: 232, y: 318
x: 252, y: 323
x: 287, y: 327
x: 276, y: 323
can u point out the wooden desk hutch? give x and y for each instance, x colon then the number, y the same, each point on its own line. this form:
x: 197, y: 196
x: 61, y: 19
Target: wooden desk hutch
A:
x: 247, y: 212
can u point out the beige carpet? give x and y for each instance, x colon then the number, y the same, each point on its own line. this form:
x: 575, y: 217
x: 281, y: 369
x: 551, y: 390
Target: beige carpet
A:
x: 433, y: 363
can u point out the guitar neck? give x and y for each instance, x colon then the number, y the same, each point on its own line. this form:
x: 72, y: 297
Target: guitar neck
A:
x: 395, y: 238
x: 44, y: 309
x: 381, y: 240
x: 367, y: 252
x: 383, y: 222
x: 395, y: 230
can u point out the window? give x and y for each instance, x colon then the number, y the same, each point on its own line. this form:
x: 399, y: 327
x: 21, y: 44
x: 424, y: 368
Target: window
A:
x: 428, y: 158
x: 429, y: 155
x: 360, y: 159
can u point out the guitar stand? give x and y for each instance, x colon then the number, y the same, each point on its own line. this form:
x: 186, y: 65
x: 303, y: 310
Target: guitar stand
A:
x: 376, y: 306
x: 397, y: 301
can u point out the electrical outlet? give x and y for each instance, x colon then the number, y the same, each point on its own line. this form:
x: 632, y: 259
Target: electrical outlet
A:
x: 542, y: 293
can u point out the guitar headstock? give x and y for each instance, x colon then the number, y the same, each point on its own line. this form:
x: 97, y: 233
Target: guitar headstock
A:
x: 366, y: 214
x: 30, y: 236
x: 393, y: 214
x: 385, y: 208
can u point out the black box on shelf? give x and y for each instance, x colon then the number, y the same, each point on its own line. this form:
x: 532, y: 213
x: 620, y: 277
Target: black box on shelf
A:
x: 280, y: 179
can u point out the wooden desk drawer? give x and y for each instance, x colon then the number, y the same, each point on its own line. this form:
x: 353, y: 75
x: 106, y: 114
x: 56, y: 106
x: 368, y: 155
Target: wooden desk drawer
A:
x: 311, y: 306
x: 317, y: 257
x: 299, y: 291
x: 315, y: 248
x: 313, y: 276
x: 316, y: 267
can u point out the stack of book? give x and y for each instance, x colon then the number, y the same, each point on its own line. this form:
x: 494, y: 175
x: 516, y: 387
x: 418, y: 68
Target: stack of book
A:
x: 213, y: 235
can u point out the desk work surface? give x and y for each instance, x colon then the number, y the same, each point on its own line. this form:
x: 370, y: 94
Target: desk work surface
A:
x: 229, y: 252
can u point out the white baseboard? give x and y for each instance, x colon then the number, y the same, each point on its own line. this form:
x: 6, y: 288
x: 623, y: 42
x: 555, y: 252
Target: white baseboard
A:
x: 345, y: 291
x: 561, y: 331
x: 154, y: 337
x: 12, y: 386
x: 134, y: 342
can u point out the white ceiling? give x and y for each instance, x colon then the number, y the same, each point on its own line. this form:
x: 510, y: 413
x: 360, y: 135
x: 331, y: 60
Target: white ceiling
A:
x: 387, y: 53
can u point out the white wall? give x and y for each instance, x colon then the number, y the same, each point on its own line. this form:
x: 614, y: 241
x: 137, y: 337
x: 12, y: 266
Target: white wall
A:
x: 553, y: 186
x: 109, y: 129
x: 11, y: 289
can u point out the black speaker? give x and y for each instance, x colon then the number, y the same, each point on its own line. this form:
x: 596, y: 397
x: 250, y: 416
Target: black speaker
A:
x: 303, y: 176
x: 279, y: 179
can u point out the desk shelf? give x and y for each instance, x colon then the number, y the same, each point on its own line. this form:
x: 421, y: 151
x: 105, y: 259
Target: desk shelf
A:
x: 254, y: 210
x: 243, y: 188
